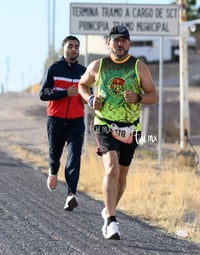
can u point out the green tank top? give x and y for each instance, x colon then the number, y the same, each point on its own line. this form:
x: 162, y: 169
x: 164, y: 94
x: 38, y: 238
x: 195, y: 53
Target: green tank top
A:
x: 113, y: 80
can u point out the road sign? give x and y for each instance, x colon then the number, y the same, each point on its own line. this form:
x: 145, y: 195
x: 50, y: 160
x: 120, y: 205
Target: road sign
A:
x: 98, y: 19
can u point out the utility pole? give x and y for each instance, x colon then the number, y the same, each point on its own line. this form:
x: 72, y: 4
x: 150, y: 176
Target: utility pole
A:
x: 183, y: 69
x: 51, y: 30
x: 7, y: 74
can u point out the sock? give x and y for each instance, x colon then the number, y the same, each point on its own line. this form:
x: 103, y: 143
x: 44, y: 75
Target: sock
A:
x: 111, y: 219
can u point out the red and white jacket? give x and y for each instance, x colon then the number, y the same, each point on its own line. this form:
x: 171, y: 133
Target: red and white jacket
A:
x: 59, y: 77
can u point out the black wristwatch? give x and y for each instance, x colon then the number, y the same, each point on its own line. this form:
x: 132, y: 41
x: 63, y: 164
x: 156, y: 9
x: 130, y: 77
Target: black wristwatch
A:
x: 139, y: 98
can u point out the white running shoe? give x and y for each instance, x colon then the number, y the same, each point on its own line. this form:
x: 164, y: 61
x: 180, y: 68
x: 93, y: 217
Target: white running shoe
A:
x: 71, y: 203
x: 113, y: 231
x: 52, y: 182
x: 105, y: 225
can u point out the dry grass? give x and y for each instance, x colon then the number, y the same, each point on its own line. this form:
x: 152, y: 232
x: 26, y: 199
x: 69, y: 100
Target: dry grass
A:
x: 167, y: 197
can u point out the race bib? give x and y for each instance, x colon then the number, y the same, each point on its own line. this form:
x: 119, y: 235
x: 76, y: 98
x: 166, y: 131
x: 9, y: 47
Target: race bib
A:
x: 123, y: 134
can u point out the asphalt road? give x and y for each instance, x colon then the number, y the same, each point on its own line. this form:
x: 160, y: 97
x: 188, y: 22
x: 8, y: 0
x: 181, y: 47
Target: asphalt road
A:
x: 33, y: 222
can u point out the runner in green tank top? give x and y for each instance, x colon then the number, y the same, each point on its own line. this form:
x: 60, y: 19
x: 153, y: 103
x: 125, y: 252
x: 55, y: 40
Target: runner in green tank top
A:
x: 121, y: 84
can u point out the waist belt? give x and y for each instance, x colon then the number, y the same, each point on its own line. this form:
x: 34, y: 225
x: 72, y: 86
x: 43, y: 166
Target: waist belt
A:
x: 120, y: 124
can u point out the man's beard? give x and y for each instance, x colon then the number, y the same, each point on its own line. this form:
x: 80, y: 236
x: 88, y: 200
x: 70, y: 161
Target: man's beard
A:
x: 120, y: 56
x: 73, y: 58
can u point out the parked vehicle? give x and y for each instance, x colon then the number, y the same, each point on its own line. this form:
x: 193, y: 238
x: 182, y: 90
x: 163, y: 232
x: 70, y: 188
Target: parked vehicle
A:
x: 147, y: 48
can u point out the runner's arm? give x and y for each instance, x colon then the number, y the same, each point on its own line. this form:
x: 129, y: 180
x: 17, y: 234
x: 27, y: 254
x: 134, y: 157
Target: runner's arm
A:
x: 88, y: 79
x: 150, y: 95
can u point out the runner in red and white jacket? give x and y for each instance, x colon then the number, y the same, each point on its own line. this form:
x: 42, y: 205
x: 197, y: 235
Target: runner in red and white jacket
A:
x: 65, y: 121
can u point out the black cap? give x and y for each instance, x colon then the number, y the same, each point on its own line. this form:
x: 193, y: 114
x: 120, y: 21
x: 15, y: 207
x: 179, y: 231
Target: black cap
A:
x: 118, y: 31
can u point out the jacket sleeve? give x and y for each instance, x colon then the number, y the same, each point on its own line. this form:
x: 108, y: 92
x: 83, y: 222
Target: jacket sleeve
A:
x: 47, y: 91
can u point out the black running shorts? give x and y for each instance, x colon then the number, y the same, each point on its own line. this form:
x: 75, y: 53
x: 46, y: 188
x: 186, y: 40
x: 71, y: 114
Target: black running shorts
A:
x: 106, y: 143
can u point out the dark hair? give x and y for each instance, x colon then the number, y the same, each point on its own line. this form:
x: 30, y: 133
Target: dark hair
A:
x: 70, y: 37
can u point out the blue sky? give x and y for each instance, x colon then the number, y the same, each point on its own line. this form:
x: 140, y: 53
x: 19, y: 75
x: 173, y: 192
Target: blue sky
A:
x: 24, y: 37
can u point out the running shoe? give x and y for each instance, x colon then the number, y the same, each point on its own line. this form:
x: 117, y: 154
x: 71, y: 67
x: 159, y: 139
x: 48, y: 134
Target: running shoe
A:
x: 71, y: 203
x: 52, y: 182
x: 105, y: 218
x: 113, y: 231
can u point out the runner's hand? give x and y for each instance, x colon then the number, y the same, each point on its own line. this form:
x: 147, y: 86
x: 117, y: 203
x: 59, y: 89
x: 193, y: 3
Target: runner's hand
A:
x: 97, y: 103
x: 130, y: 96
x: 72, y: 91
